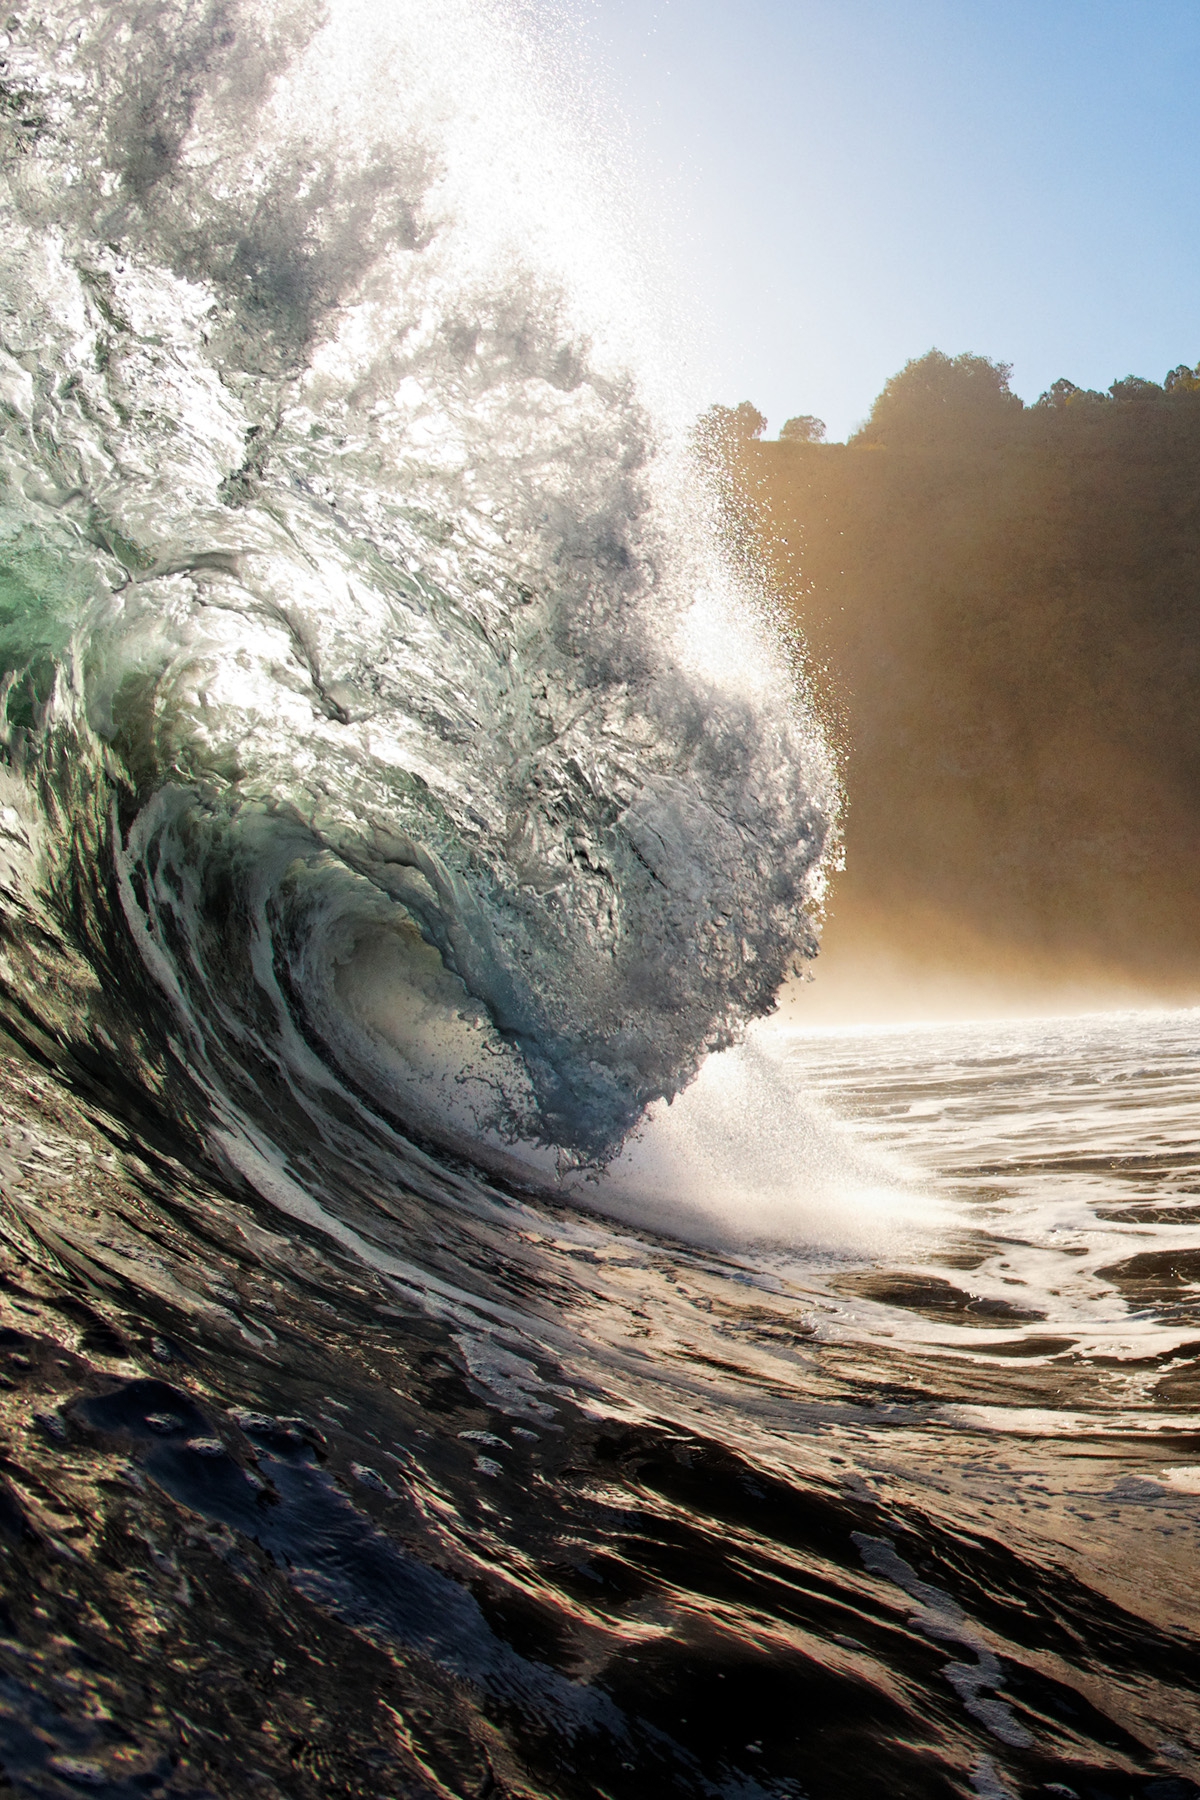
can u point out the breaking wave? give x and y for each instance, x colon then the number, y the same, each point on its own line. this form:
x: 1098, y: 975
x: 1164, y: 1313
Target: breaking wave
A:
x: 373, y: 686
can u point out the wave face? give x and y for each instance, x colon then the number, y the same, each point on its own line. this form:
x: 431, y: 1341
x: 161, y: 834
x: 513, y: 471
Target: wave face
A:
x: 360, y: 591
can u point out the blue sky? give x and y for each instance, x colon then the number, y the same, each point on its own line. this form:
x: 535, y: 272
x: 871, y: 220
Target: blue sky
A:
x: 849, y: 182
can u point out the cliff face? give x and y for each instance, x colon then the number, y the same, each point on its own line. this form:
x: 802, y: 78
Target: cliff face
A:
x: 1005, y: 605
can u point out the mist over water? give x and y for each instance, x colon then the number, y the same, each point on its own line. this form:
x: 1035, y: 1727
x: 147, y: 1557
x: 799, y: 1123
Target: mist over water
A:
x: 450, y: 1344
x: 750, y: 1156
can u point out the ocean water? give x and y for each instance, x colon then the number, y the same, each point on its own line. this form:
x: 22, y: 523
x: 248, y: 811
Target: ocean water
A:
x: 452, y: 1342
x: 446, y: 1488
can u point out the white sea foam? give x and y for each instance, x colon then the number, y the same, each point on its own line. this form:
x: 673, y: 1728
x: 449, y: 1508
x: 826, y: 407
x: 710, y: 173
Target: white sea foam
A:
x: 751, y: 1155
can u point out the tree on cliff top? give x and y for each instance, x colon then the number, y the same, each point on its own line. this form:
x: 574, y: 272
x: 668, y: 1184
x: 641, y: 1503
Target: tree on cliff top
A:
x: 936, y: 394
x: 806, y: 428
x: 720, y: 429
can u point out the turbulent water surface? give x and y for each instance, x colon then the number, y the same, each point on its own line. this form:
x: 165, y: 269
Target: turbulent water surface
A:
x: 449, y: 1348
